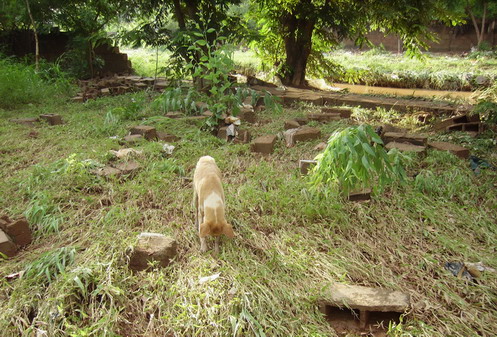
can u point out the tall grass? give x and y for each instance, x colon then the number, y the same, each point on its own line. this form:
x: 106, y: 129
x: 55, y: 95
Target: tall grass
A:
x: 21, y: 84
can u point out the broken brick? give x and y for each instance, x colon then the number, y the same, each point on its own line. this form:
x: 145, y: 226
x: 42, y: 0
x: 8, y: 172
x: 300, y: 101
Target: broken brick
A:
x: 148, y: 132
x: 52, y: 119
x: 458, y: 150
x: 263, y: 144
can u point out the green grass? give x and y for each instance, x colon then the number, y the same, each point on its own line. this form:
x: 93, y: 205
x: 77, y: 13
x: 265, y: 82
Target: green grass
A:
x: 289, y: 246
x: 432, y: 71
x: 377, y: 68
x: 21, y: 84
x: 143, y: 61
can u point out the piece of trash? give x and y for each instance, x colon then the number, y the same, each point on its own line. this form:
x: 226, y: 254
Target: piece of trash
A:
x: 230, y: 131
x: 208, y: 278
x: 168, y: 148
x: 14, y: 276
x: 232, y: 120
x: 123, y: 153
x: 477, y: 163
x: 478, y: 267
x: 459, y: 270
x: 113, y: 137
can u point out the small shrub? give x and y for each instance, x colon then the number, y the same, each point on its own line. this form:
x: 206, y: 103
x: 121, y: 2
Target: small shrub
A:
x: 355, y: 158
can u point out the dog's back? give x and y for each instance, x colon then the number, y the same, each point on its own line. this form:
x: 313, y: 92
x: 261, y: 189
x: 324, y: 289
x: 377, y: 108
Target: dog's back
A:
x: 209, y: 199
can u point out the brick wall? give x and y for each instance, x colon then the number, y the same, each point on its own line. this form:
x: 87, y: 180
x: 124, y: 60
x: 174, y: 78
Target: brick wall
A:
x: 451, y: 39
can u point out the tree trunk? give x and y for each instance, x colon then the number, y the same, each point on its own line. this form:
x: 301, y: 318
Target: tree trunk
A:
x: 480, y: 32
x: 37, y: 44
x: 298, y: 46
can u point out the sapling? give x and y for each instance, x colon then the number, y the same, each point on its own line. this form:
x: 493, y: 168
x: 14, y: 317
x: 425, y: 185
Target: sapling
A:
x: 355, y: 158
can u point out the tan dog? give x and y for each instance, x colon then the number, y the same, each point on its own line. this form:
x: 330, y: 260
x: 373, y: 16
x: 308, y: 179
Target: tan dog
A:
x: 209, y: 203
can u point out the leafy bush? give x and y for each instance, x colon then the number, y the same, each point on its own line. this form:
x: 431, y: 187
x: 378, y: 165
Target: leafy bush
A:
x: 173, y: 99
x: 355, y: 158
x: 20, y: 84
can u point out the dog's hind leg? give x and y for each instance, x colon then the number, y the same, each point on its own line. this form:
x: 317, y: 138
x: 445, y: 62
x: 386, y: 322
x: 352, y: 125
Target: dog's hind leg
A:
x: 196, y: 210
x: 216, y: 245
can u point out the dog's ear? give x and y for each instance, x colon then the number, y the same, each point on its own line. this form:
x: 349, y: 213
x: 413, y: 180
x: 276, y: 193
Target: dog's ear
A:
x: 205, y: 230
x: 228, y: 231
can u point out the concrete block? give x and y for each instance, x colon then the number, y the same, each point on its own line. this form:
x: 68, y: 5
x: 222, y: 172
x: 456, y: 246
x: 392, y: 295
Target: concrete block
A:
x: 361, y: 195
x: 174, y: 114
x: 247, y: 114
x: 404, y: 137
x: 29, y: 121
x: 128, y: 168
x: 243, y: 137
x: 152, y: 247
x: 369, y: 303
x: 306, y: 165
x: 19, y: 232
x: 132, y: 139
x: 342, y: 112
x: 263, y: 144
x: 324, y: 117
x: 305, y: 133
x: 291, y: 124
x: 366, y: 298
x: 168, y: 138
x: 469, y: 127
x: 148, y: 132
x: 107, y: 171
x: 52, y: 119
x: 461, y: 119
x: 7, y: 246
x: 408, y: 147
x: 459, y: 151
x: 320, y: 146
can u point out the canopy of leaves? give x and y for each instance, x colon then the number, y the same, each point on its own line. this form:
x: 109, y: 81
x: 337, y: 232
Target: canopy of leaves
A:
x: 336, y: 20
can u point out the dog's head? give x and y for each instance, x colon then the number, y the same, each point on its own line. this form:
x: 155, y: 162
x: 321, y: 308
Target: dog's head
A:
x: 216, y: 229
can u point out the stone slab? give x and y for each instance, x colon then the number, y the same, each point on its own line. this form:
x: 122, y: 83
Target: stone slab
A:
x: 460, y: 119
x: 408, y: 147
x: 324, y: 117
x: 52, y: 119
x: 107, y: 171
x: 132, y: 139
x: 29, y: 121
x: 146, y: 131
x: 263, y: 144
x: 366, y: 298
x: 361, y: 195
x: 404, y: 137
x: 174, y: 114
x: 305, y: 133
x: 321, y: 146
x: 243, y: 136
x: 291, y: 124
x: 128, y: 168
x: 247, y: 115
x: 7, y: 246
x: 458, y: 150
x: 152, y: 247
x: 469, y: 127
x: 399, y: 104
x: 19, y: 232
x: 342, y: 112
x: 305, y: 165
x: 168, y: 138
